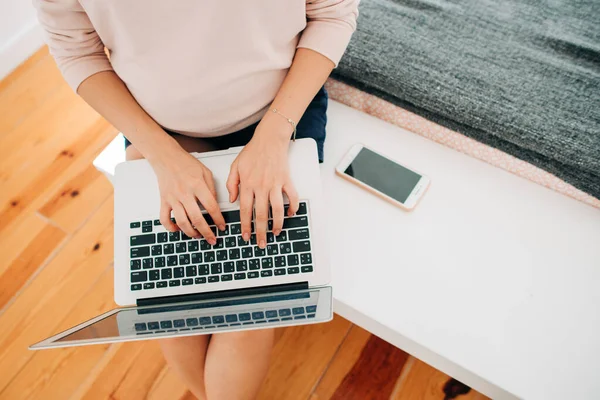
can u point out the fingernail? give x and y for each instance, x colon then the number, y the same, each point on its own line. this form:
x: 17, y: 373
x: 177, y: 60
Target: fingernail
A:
x: 262, y: 244
x: 246, y: 236
x: 222, y: 227
x: 277, y: 232
x: 212, y: 241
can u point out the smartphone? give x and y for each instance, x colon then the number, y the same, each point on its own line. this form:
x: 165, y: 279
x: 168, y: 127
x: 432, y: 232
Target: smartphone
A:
x: 385, y: 178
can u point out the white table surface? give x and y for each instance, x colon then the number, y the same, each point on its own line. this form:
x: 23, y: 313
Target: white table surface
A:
x: 492, y: 279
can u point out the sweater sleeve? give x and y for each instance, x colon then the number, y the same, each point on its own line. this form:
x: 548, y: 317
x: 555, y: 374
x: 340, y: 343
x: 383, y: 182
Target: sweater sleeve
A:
x: 330, y: 24
x: 72, y: 40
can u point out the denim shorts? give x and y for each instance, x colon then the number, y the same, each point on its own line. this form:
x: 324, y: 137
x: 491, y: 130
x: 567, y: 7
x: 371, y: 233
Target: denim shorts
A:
x: 311, y: 125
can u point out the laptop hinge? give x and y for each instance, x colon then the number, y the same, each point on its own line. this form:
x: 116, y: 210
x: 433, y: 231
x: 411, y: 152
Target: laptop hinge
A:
x: 222, y: 293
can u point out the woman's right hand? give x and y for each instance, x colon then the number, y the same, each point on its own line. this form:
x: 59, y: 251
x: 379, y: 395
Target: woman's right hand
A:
x: 183, y: 181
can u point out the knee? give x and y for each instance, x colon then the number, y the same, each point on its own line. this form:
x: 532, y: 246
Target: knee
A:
x: 259, y: 337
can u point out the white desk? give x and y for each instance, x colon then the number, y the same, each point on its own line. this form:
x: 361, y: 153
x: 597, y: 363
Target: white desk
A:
x: 492, y: 279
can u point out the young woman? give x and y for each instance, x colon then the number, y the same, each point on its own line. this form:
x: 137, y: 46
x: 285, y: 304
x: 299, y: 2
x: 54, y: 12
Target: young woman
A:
x: 193, y: 76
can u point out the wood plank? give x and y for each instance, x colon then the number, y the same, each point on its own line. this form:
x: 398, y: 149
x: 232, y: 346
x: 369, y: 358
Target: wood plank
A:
x: 300, y: 358
x: 342, y: 363
x: 57, y: 373
x: 426, y: 383
x: 375, y: 372
x: 25, y: 95
x: 86, y: 191
x: 19, y: 72
x: 38, y: 310
x: 168, y: 386
x: 26, y: 249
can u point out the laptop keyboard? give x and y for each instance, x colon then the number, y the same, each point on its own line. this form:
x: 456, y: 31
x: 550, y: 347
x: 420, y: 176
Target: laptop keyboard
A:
x: 228, y: 320
x: 161, y: 259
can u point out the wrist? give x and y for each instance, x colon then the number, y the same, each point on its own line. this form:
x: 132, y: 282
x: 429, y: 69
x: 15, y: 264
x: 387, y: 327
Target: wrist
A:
x: 162, y: 152
x: 274, y: 127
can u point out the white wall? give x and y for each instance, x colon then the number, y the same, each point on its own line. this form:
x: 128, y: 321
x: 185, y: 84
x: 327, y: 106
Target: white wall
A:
x: 20, y: 34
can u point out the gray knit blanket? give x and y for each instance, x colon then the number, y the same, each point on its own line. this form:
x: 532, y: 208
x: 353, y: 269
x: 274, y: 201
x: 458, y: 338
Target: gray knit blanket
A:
x: 522, y: 76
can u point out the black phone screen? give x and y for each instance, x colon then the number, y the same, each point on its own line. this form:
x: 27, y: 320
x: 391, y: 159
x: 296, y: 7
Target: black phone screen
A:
x: 383, y: 174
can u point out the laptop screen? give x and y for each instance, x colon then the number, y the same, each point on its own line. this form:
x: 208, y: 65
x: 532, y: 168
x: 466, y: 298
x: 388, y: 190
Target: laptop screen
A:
x: 200, y: 317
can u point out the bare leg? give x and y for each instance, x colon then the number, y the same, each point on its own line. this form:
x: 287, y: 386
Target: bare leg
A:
x: 236, y: 364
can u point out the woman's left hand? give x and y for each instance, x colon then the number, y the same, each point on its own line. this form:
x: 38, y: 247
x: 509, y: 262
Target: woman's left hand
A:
x: 260, y: 175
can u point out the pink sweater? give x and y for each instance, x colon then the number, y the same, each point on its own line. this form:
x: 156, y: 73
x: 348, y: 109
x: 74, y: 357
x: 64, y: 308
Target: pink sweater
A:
x: 198, y: 67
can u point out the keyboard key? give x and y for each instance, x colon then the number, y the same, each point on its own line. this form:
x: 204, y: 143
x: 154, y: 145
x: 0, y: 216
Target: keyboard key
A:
x: 135, y: 264
x: 311, y: 309
x: 228, y: 266
x: 285, y: 248
x: 293, y: 270
x: 166, y: 324
x: 240, y: 265
x: 146, y: 229
x: 270, y: 236
x: 253, y: 239
x: 282, y: 237
x: 258, y: 315
x: 139, y: 276
x: 214, y: 230
x: 280, y: 261
x: 199, y: 281
x: 218, y: 319
x: 224, y: 232
x: 194, y: 245
x: 137, y: 252
x: 162, y: 237
x: 204, y: 320
x: 295, y: 222
x: 203, y: 269
x: 248, y: 323
x: 221, y: 255
x: 299, y: 247
x: 226, y: 277
x: 305, y: 258
x: 157, y: 250
x: 134, y: 225
x: 292, y: 259
x: 298, y: 234
x: 137, y: 286
x: 230, y: 241
x: 185, y: 237
x: 174, y: 282
x: 174, y: 236
x: 273, y: 320
x: 196, y: 258
x: 187, y: 281
x: 178, y: 272
x: 254, y: 264
x: 209, y: 256
x: 253, y: 274
x: 168, y: 248
x: 311, y: 315
x: 231, y: 216
x: 271, y: 314
x: 190, y: 270
x: 300, y: 317
x: 301, y: 209
x: 147, y: 263
x: 171, y: 261
x: 213, y: 279
x: 234, y: 254
x: 231, y: 318
x: 184, y: 259
x: 154, y: 275
x: 159, y: 262
x: 247, y: 252
x: 258, y: 252
x: 235, y: 229
x: 239, y: 276
x: 280, y: 271
x: 141, y: 240
x: 166, y: 273
x: 157, y: 222
x: 208, y: 219
x: 191, y: 321
x: 306, y: 268
x: 265, y: 273
x: 161, y: 284
x: 284, y: 312
x: 298, y: 310
x: 267, y: 262
x: 216, y: 268
x: 153, y: 325
x: 180, y: 247
x: 244, y: 316
x: 146, y: 223
x: 204, y: 245
x: 178, y: 323
x: 272, y: 250
x: 220, y: 244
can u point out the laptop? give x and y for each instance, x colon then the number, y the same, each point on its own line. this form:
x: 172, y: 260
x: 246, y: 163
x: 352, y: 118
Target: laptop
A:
x: 171, y: 285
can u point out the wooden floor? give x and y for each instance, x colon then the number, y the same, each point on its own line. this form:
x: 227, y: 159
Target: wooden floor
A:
x: 56, y: 251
